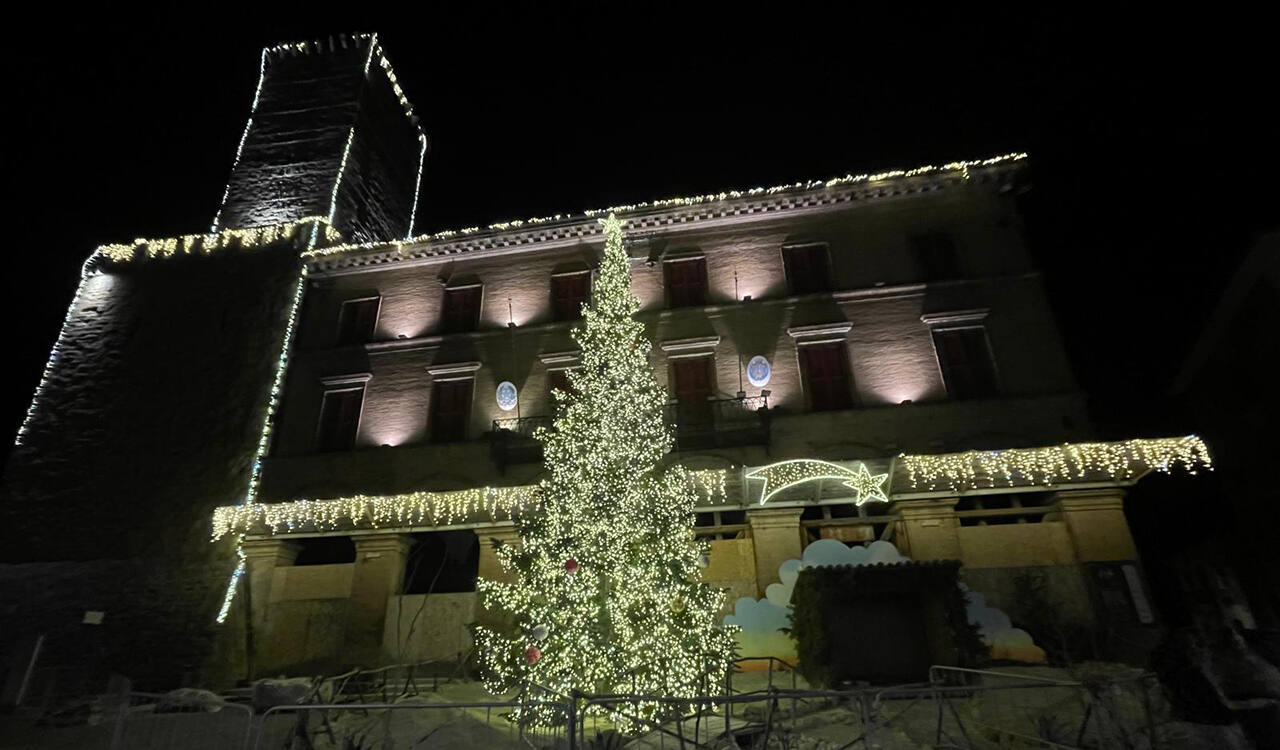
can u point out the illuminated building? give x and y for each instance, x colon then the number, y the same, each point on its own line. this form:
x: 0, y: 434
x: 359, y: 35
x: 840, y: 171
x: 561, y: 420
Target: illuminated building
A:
x: 346, y: 402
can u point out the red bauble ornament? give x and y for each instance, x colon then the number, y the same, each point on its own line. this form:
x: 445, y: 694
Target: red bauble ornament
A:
x: 532, y: 654
x: 571, y: 566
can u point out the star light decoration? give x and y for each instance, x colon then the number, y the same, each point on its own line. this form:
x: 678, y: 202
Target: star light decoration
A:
x: 787, y: 474
x: 1058, y: 464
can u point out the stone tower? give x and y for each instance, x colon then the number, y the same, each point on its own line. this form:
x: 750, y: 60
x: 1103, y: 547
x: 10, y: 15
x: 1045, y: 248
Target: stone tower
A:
x: 330, y: 134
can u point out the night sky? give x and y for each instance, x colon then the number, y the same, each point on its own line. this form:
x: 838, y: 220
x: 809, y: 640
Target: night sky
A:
x: 1147, y: 139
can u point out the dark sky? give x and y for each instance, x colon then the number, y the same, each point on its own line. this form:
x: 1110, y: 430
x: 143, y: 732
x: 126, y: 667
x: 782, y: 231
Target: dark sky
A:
x: 1147, y: 137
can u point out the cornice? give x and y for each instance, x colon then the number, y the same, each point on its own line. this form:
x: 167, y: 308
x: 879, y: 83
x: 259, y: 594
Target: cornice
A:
x: 700, y: 212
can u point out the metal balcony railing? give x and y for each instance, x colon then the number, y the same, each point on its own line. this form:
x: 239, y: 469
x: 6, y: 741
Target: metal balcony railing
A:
x: 719, y: 423
x: 714, y: 423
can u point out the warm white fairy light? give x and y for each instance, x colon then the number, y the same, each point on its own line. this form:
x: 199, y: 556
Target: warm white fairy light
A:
x: 412, y: 509
x: 1059, y: 464
x: 253, y: 110
x: 962, y: 167
x: 608, y: 568
x: 417, y: 185
x: 784, y: 475
x: 229, y: 595
x: 342, y: 169
x: 55, y: 352
x: 204, y: 244
x: 277, y: 387
x: 710, y: 482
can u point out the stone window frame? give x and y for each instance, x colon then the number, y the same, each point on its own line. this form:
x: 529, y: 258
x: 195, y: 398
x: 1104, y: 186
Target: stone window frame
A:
x: 444, y: 298
x: 830, y: 280
x: 341, y: 384
x: 956, y: 320
x: 342, y: 309
x: 824, y: 333
x: 451, y: 372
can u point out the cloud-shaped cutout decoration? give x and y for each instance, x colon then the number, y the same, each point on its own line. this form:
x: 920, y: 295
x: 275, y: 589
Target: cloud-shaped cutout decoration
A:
x: 998, y: 632
x: 759, y: 616
x: 834, y: 552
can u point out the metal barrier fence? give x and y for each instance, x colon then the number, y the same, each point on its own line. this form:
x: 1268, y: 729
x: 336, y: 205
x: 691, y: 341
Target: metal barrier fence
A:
x: 193, y: 720
x: 957, y: 708
x: 480, y: 724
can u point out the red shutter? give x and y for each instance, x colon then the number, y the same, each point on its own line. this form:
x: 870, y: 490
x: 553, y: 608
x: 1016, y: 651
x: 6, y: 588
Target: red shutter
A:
x: 686, y: 282
x: 451, y: 408
x: 339, y: 419
x: 461, y: 311
x: 356, y: 321
x: 568, y: 292
x: 692, y: 389
x: 826, y: 376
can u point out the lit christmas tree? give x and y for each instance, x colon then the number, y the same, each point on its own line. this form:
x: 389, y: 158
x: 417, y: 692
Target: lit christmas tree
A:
x: 608, y: 596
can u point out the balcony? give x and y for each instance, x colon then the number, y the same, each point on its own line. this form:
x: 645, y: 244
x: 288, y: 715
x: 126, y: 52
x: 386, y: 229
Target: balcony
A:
x: 512, y: 441
x: 717, y: 423
x: 720, y: 423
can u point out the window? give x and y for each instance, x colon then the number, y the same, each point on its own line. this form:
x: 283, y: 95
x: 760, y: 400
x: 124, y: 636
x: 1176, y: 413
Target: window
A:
x: 686, y: 282
x: 808, y: 268
x: 461, y: 311
x: 692, y: 377
x: 450, y: 410
x: 936, y: 256
x: 356, y: 321
x: 826, y: 374
x: 568, y: 292
x: 560, y: 381
x: 965, y: 358
x: 339, y: 419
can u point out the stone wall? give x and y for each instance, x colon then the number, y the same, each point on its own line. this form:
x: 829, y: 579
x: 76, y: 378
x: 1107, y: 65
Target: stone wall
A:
x: 148, y: 421
x: 292, y: 158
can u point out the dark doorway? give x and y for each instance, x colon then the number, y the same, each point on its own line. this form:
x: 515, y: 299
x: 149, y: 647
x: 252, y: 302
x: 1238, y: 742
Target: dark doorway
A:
x: 442, y: 562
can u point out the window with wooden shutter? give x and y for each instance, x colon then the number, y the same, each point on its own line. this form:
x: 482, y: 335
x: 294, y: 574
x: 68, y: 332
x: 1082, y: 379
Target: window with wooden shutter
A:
x: 826, y: 376
x: 356, y: 321
x: 450, y: 410
x: 568, y: 292
x: 692, y: 387
x: 461, y: 309
x: 808, y: 268
x: 686, y: 282
x: 968, y: 369
x: 339, y: 419
x: 936, y: 256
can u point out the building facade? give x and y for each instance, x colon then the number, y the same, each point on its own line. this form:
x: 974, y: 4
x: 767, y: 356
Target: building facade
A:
x: 865, y: 358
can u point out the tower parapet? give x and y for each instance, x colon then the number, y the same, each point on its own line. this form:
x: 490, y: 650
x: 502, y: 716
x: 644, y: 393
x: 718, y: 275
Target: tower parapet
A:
x: 330, y: 134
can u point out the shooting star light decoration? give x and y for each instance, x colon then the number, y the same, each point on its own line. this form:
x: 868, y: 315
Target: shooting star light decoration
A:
x: 786, y: 474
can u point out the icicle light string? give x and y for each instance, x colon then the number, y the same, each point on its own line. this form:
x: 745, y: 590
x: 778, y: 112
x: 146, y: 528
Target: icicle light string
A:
x: 409, y: 509
x: 1072, y: 462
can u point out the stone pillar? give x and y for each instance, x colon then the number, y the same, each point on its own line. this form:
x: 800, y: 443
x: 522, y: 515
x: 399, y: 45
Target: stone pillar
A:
x: 1096, y: 522
x: 930, y: 529
x: 378, y: 575
x: 262, y: 557
x: 775, y: 532
x: 489, y: 567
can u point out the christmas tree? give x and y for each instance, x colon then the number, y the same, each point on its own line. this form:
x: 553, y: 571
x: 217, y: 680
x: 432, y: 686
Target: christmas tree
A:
x: 608, y: 594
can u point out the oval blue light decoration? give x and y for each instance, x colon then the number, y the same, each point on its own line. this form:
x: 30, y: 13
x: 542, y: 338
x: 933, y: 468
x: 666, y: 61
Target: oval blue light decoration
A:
x: 759, y: 371
x: 507, y: 395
